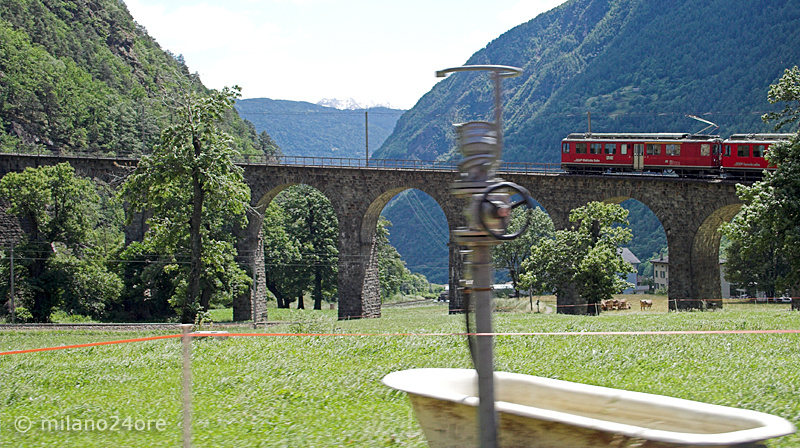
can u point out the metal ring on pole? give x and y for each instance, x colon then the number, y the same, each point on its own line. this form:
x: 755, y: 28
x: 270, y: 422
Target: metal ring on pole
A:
x: 526, y: 200
x: 503, y: 71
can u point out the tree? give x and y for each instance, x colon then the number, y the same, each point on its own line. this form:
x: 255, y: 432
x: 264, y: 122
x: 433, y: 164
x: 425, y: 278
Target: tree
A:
x: 301, y: 246
x: 391, y: 268
x: 765, y: 235
x: 786, y: 90
x: 585, y: 258
x: 64, y: 264
x: 282, y: 255
x: 393, y: 275
x: 195, y: 193
x: 511, y: 254
x: 755, y: 258
x: 267, y: 146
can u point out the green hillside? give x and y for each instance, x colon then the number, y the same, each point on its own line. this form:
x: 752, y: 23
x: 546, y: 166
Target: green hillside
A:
x: 636, y: 65
x: 306, y: 129
x: 84, y: 76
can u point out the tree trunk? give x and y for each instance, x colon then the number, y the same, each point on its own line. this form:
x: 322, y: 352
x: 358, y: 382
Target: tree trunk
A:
x: 513, y: 274
x: 300, y: 304
x: 205, y: 298
x: 273, y: 288
x: 41, y: 297
x: 317, y: 288
x: 196, y: 239
x: 43, y: 251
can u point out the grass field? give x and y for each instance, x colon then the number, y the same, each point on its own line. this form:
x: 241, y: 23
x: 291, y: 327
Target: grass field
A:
x: 326, y: 391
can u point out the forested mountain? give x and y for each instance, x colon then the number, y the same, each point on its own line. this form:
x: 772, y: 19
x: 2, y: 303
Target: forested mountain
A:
x: 305, y: 129
x: 81, y: 75
x: 636, y: 65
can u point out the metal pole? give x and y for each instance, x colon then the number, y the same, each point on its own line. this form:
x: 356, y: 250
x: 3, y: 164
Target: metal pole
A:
x: 479, y: 142
x: 498, y: 108
x: 481, y: 268
x: 186, y: 384
x: 366, y: 136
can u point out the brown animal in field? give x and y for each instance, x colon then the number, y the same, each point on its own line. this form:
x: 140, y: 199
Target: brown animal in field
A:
x: 645, y: 304
x: 624, y: 305
x: 604, y: 305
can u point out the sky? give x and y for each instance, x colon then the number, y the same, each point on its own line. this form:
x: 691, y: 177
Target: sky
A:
x: 374, y: 51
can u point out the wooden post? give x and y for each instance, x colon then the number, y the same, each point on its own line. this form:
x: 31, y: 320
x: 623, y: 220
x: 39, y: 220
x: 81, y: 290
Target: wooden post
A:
x: 186, y: 384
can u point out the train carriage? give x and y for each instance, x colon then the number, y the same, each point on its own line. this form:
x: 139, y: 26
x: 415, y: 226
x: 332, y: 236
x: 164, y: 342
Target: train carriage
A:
x: 743, y: 154
x: 681, y: 154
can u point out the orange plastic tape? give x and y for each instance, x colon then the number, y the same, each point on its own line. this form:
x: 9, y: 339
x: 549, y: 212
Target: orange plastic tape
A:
x: 568, y: 333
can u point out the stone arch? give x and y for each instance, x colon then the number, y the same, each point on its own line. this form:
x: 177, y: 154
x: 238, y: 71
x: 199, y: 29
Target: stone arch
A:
x: 577, y: 195
x: 369, y: 226
x: 252, y: 305
x: 705, y: 256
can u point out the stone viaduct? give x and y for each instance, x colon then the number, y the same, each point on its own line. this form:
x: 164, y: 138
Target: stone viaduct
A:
x: 690, y: 210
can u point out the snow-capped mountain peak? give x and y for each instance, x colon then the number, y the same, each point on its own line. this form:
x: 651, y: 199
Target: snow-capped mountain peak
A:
x: 349, y: 104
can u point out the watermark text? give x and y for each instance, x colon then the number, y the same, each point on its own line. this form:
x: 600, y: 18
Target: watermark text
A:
x: 114, y: 423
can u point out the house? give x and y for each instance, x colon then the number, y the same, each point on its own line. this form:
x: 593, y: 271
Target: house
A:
x: 661, y: 275
x: 660, y: 272
x: 632, y: 277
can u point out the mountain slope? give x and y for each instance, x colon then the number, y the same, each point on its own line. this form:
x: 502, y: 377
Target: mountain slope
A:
x: 306, y: 129
x: 82, y: 75
x: 637, y: 65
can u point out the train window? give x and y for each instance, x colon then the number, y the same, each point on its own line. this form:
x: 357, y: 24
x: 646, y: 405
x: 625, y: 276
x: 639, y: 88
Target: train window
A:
x: 743, y: 150
x: 705, y: 149
x: 673, y: 149
x: 596, y: 148
x: 580, y: 148
x: 638, y: 149
x: 758, y: 150
x: 565, y: 148
x: 611, y: 148
x: 727, y: 150
x: 623, y: 149
x: 653, y: 149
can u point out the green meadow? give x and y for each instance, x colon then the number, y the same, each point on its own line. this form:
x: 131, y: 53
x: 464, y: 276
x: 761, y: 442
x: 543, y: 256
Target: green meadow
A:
x: 325, y: 391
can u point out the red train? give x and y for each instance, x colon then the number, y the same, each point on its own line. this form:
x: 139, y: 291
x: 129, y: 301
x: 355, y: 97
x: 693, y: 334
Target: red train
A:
x: 740, y: 156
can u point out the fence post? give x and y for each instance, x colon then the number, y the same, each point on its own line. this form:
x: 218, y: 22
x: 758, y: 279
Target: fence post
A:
x: 186, y: 384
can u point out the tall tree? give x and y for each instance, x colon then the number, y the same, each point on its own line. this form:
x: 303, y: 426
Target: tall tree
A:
x: 586, y: 257
x: 194, y: 191
x: 765, y: 235
x: 511, y: 254
x: 755, y: 258
x: 60, y: 250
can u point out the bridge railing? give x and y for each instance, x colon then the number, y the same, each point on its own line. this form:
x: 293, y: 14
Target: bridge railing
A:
x: 310, y: 161
x: 394, y: 164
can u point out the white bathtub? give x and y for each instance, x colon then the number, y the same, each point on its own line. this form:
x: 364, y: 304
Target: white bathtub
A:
x: 542, y: 412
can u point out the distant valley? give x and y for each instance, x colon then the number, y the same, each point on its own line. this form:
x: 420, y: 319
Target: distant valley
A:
x: 306, y: 129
